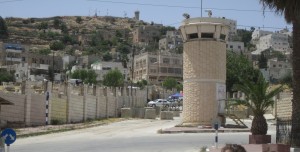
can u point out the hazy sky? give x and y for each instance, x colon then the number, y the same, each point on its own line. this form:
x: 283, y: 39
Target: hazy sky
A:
x: 168, y: 12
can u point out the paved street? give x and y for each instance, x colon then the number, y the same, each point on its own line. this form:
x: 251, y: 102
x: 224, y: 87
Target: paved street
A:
x: 127, y: 136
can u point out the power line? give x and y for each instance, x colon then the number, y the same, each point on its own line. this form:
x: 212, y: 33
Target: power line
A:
x: 176, y: 6
x: 249, y: 26
x: 9, y: 1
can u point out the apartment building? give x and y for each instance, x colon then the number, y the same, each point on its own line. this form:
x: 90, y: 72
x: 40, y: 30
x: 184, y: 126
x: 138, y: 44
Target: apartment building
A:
x: 156, y: 67
x: 171, y: 41
x: 146, y: 34
x: 278, y: 69
x: 235, y: 46
x: 276, y: 41
x: 10, y: 54
x: 257, y: 33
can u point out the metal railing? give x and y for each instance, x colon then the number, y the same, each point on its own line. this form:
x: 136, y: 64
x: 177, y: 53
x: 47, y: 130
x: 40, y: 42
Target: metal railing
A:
x: 283, y: 131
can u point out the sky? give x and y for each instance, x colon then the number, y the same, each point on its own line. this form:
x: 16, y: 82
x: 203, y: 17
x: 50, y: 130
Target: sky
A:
x: 247, y: 13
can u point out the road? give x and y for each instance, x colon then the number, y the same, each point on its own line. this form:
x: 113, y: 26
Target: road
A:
x: 138, y: 135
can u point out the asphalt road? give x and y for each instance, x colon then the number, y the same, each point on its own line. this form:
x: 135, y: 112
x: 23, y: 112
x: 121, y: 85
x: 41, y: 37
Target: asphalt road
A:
x: 127, y: 136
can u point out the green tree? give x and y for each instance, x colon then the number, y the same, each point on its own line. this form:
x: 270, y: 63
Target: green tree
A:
x: 291, y: 11
x: 3, y: 28
x: 262, y: 61
x: 107, y: 56
x: 57, y: 45
x: 238, y: 67
x: 43, y: 26
x: 287, y: 79
x: 141, y: 84
x: 78, y: 19
x: 6, y: 76
x: 169, y: 83
x: 179, y: 87
x: 259, y: 98
x: 87, y: 76
x: 114, y: 78
x: 56, y: 23
x: 44, y: 51
x: 64, y: 28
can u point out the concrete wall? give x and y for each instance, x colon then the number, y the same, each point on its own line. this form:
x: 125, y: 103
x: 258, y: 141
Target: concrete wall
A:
x: 14, y: 113
x: 67, y: 104
x: 58, y: 109
x: 37, y: 109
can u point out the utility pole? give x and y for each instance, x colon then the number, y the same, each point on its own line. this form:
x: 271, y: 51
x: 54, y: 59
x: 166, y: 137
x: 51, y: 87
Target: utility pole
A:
x: 201, y: 8
x: 132, y: 72
x: 52, y: 71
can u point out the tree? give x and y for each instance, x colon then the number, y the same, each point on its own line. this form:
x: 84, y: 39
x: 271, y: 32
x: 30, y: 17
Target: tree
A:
x: 78, y: 19
x: 259, y: 98
x: 169, y: 83
x: 238, y: 67
x: 43, y: 26
x: 56, y: 23
x: 291, y: 11
x: 57, y: 45
x: 107, y: 57
x: 3, y: 28
x: 114, y: 78
x: 262, y: 61
x: 6, y: 76
x: 141, y: 84
x: 87, y: 76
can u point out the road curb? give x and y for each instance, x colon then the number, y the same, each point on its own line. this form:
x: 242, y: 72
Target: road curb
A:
x: 170, y: 131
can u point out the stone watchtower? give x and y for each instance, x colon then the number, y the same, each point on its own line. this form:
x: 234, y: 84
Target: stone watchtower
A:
x: 204, y: 68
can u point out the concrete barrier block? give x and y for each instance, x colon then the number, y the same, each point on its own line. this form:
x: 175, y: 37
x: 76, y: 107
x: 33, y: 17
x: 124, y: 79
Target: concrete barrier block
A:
x: 126, y: 113
x: 176, y: 113
x: 150, y: 113
x: 138, y: 113
x: 166, y: 115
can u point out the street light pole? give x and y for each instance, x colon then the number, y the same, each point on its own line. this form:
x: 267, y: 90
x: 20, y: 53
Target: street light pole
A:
x: 201, y: 8
x: 132, y: 71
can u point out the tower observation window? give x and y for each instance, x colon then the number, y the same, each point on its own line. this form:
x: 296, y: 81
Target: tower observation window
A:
x: 193, y: 36
x: 207, y: 35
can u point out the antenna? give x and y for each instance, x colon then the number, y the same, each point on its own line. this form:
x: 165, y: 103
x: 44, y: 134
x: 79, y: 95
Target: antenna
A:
x: 125, y: 14
x: 106, y: 12
x: 209, y: 12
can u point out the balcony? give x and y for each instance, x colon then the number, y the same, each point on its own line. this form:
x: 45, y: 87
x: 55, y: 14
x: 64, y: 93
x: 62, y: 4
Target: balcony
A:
x: 13, y: 51
x: 13, y: 59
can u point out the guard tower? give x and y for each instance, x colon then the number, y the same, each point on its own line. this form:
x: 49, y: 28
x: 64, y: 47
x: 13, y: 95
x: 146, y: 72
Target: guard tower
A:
x: 137, y: 15
x: 204, y: 69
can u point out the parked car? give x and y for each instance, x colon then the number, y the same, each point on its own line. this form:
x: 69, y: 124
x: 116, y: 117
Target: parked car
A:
x: 159, y: 102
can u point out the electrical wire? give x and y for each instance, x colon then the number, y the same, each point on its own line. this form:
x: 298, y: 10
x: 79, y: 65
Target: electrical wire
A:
x: 176, y: 6
x: 9, y: 1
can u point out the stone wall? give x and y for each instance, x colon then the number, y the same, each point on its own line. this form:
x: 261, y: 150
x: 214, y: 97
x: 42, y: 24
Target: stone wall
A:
x: 67, y: 103
x: 284, y: 105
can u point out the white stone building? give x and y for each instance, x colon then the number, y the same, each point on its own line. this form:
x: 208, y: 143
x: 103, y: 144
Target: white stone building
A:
x: 102, y: 68
x: 235, y: 46
x: 171, y: 41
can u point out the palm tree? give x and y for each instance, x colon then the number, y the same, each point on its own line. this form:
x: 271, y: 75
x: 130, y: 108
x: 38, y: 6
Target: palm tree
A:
x: 258, y: 98
x: 291, y: 11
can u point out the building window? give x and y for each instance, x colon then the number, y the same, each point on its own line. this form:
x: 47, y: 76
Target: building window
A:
x: 163, y: 70
x: 153, y: 60
x: 223, y: 37
x: 193, y: 36
x: 207, y: 35
x: 170, y: 70
x: 177, y: 71
x: 166, y: 60
x: 239, y: 47
x: 231, y: 46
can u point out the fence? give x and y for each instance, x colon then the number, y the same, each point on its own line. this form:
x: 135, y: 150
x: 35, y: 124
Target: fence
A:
x: 67, y: 103
x: 283, y: 130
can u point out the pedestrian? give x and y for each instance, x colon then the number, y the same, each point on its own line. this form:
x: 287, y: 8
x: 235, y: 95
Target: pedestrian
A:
x: 233, y: 148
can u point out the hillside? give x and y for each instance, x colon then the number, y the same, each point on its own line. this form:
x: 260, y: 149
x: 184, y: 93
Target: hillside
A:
x: 29, y: 31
